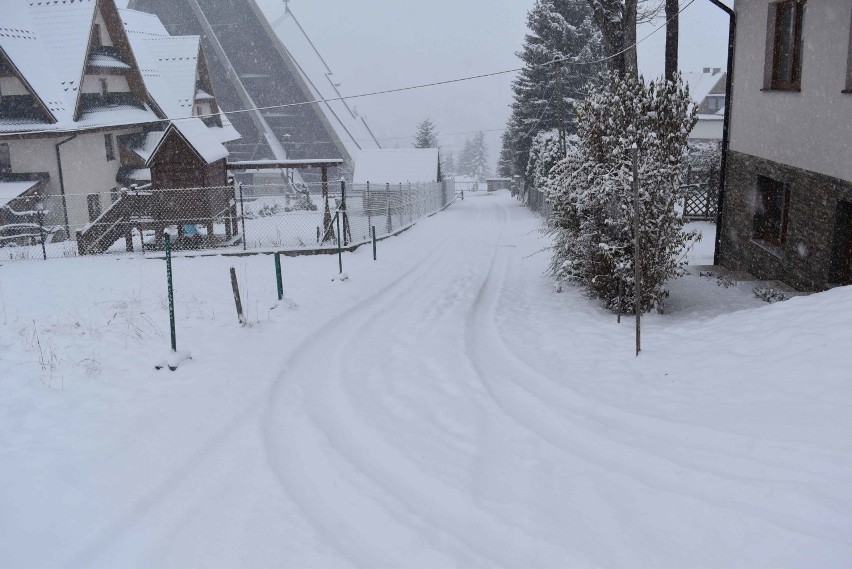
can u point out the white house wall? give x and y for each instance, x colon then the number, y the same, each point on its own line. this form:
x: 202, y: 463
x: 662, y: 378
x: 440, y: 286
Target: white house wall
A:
x: 115, y: 84
x: 84, y: 167
x: 707, y: 130
x: 808, y: 129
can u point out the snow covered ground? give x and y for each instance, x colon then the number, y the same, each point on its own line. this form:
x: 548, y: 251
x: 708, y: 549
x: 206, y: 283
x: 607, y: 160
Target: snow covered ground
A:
x: 443, y: 407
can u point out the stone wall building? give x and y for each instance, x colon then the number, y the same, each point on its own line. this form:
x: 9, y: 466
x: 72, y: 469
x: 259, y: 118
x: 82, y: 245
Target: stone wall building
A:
x: 788, y: 193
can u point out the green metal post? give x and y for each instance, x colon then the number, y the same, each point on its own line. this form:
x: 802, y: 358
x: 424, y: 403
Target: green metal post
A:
x: 278, y: 276
x: 339, y: 246
x: 171, y: 290
x: 374, y: 242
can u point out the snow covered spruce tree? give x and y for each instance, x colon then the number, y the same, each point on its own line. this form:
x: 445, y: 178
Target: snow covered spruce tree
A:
x: 545, y: 153
x: 592, y: 194
x: 545, y: 93
x: 427, y: 135
x: 473, y: 160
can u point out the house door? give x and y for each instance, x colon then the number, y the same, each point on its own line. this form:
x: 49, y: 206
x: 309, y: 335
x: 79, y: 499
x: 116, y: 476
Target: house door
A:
x: 841, y: 268
x: 94, y: 202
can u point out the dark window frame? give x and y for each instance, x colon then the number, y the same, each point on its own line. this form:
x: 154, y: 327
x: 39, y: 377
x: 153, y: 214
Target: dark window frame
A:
x: 96, y: 36
x: 848, y: 88
x: 109, y: 146
x: 784, y: 62
x: 5, y: 159
x: 104, y: 87
x: 772, y: 210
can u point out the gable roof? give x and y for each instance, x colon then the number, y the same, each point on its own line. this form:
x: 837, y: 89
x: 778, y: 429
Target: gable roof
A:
x: 703, y: 84
x: 20, y: 45
x: 48, y: 41
x: 396, y: 166
x: 196, y: 134
x: 64, y: 29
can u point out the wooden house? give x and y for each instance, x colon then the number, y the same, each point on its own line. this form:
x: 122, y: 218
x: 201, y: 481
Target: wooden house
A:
x: 83, y: 86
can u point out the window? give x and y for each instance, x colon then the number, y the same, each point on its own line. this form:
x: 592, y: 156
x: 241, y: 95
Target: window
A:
x: 104, y: 88
x: 715, y: 103
x: 110, y: 149
x: 5, y: 159
x: 770, y: 217
x: 785, y: 26
x: 96, y: 36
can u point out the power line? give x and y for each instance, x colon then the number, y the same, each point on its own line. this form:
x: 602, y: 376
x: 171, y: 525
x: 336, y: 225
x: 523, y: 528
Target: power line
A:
x: 555, y: 61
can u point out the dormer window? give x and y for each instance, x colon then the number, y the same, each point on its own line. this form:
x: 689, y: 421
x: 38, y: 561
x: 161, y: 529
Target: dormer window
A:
x: 715, y: 103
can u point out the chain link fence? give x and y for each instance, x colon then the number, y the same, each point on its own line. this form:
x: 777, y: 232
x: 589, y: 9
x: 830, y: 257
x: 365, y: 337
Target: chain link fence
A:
x: 233, y: 218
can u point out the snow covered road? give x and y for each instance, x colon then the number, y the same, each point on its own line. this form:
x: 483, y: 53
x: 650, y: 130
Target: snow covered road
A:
x: 451, y: 410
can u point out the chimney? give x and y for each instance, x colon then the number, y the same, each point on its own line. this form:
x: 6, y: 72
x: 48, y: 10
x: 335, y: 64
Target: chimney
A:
x: 717, y: 70
x: 706, y: 70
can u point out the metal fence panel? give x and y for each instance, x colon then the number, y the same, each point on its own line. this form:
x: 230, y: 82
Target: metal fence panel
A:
x: 224, y: 219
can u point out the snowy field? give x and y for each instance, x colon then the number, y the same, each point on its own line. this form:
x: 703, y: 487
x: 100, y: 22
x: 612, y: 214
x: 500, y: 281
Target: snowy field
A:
x: 443, y: 407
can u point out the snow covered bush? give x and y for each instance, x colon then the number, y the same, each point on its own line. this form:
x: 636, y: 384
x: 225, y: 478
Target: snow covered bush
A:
x: 592, y: 194
x: 303, y: 201
x: 544, y: 155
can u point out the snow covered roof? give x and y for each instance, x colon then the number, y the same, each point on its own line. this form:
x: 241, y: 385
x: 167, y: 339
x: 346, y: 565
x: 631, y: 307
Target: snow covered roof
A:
x: 351, y: 128
x: 47, y: 42
x: 227, y: 133
x: 701, y: 84
x: 105, y: 61
x: 196, y: 133
x: 12, y: 190
x: 396, y: 166
x: 176, y: 57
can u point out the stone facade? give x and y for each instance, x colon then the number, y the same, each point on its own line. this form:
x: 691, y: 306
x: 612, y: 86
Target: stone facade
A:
x: 812, y: 247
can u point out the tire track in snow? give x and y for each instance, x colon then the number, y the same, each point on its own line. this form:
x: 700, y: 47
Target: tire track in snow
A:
x: 194, y: 466
x: 579, y: 437
x: 399, y: 482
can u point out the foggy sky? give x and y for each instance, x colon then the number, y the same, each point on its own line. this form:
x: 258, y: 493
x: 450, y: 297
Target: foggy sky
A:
x: 378, y: 44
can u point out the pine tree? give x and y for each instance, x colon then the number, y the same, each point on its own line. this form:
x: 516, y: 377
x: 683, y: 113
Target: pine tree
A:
x: 592, y: 196
x: 558, y: 30
x: 465, y: 162
x: 505, y: 164
x: 448, y: 163
x: 479, y: 156
x: 426, y: 136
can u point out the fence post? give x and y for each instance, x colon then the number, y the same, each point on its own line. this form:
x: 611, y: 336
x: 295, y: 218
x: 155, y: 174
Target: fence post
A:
x: 40, y: 210
x: 243, y: 217
x: 278, y: 279
x: 637, y: 300
x: 388, y: 198
x: 368, y: 206
x: 373, y: 228
x: 347, y: 231
x: 237, y: 302
x: 339, y: 249
x: 171, y: 291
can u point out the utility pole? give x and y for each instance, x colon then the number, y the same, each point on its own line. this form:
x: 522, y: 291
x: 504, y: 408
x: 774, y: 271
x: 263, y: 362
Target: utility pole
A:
x: 560, y: 103
x: 637, y: 261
